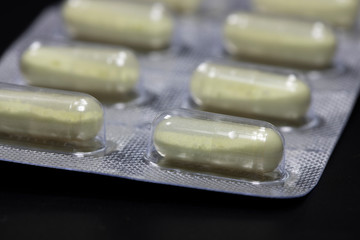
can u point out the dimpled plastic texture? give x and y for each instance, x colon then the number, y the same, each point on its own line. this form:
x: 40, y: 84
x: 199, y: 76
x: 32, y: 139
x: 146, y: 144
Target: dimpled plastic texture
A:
x: 166, y: 75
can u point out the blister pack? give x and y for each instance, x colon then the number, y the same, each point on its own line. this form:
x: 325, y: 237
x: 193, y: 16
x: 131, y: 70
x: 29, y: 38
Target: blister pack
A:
x: 160, y: 115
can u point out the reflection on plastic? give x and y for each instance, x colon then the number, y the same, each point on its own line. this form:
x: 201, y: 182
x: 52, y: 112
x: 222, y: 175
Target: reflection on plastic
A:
x: 278, y: 40
x: 217, y: 144
x: 102, y: 72
x: 184, y: 6
x: 48, y: 114
x: 126, y: 23
x: 338, y: 13
x: 250, y: 92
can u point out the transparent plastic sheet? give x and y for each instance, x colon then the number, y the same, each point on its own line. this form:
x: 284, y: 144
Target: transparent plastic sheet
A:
x: 166, y: 75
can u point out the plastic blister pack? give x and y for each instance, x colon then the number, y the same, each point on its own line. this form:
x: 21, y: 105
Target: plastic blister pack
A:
x: 282, y: 97
x: 182, y: 7
x: 166, y: 75
x: 109, y: 73
x: 51, y: 120
x: 216, y: 144
x: 144, y: 26
x: 341, y: 14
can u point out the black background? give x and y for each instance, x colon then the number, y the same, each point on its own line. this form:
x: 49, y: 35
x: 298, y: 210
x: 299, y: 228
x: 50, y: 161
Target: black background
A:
x: 41, y: 203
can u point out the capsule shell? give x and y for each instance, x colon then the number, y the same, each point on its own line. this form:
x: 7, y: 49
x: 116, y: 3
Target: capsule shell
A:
x: 248, y: 92
x: 184, y: 6
x: 338, y: 13
x: 278, y: 40
x: 97, y: 71
x: 45, y: 114
x: 217, y: 146
x: 125, y: 23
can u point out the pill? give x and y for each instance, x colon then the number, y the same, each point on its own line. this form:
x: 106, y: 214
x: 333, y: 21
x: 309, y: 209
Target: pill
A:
x: 248, y: 92
x: 125, y: 23
x: 226, y: 148
x: 54, y: 115
x: 184, y: 6
x: 278, y: 40
x: 338, y: 13
x: 97, y: 71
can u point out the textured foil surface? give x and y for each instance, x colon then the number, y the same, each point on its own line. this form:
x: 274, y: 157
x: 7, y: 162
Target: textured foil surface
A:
x: 165, y: 78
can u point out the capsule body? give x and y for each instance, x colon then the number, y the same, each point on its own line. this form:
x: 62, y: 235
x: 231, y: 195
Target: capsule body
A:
x: 45, y: 114
x: 278, y: 40
x: 338, y: 13
x: 184, y: 6
x: 248, y: 92
x: 97, y: 71
x: 217, y: 146
x: 125, y: 23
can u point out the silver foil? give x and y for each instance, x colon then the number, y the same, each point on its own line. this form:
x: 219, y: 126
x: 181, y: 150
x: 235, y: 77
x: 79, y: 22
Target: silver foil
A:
x: 165, y: 77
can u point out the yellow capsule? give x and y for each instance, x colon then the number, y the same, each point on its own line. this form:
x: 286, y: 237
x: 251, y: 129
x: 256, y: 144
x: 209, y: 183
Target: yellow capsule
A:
x: 45, y: 114
x: 278, y: 40
x: 249, y: 92
x: 125, y: 23
x: 184, y: 6
x: 338, y: 13
x: 215, y: 146
x: 101, y: 72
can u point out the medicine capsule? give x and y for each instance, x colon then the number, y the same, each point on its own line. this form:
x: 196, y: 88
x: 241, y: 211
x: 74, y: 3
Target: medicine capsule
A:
x: 278, y: 40
x: 45, y: 114
x: 97, y: 71
x: 221, y: 147
x: 249, y: 92
x: 184, y: 6
x: 338, y: 13
x: 125, y: 23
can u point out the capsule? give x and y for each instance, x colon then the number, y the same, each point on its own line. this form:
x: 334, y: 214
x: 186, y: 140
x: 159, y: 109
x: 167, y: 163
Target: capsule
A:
x: 98, y: 71
x: 220, y: 147
x: 248, y: 92
x: 184, y: 6
x: 125, y: 23
x: 278, y: 40
x: 337, y: 13
x: 50, y: 115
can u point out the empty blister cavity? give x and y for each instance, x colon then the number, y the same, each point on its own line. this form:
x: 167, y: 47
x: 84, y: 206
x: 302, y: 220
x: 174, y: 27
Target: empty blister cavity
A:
x: 282, y: 98
x: 110, y: 74
x: 341, y: 14
x: 51, y: 120
x: 185, y: 6
x: 280, y: 41
x: 138, y: 25
x: 216, y: 144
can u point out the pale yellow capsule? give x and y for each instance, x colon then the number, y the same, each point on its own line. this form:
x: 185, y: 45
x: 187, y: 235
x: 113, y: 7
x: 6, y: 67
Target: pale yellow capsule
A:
x: 249, y: 92
x: 184, y: 6
x: 340, y: 13
x: 54, y: 115
x: 278, y: 40
x: 125, y: 23
x: 98, y: 71
x: 217, y: 147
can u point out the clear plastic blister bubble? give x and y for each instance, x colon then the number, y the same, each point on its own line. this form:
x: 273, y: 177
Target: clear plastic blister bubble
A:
x: 340, y: 14
x: 282, y: 97
x: 221, y: 47
x: 217, y: 145
x: 111, y: 74
x: 180, y: 7
x: 166, y: 73
x: 279, y: 40
x: 51, y: 120
x: 150, y: 29
x: 143, y: 26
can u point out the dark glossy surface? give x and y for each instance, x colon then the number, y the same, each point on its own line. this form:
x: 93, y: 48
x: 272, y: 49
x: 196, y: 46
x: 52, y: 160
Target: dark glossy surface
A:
x: 41, y: 203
